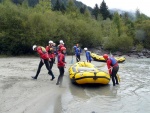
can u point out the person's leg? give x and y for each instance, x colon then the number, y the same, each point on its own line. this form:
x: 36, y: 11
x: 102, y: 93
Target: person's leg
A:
x: 51, y: 63
x: 48, y: 68
x: 116, y: 70
x: 114, y: 77
x: 39, y: 69
x: 58, y: 80
x: 77, y: 58
x: 60, y: 77
x: 62, y: 74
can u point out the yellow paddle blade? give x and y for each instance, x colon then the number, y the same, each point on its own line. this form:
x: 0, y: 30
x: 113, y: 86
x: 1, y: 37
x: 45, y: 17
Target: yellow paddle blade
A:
x: 118, y: 77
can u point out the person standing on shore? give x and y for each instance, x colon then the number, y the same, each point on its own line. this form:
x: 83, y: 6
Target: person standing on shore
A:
x: 44, y: 60
x: 113, y: 68
x: 77, y: 53
x: 61, y: 44
x: 55, y: 51
x: 61, y: 65
x: 50, y: 51
x: 88, y: 55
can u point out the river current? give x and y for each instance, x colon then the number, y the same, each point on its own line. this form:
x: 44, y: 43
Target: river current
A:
x: 132, y: 95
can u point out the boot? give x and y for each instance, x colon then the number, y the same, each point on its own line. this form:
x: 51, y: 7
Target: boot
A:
x: 52, y: 78
x: 34, y: 77
x: 57, y: 83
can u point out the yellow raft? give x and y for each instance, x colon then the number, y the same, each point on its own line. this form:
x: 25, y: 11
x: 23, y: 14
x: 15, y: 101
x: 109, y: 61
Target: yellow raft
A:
x: 86, y: 73
x: 101, y: 59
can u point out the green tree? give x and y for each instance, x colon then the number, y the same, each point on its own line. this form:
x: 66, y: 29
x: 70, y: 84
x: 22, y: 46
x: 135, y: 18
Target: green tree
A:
x: 130, y: 31
x: 118, y: 22
x: 57, y: 6
x: 72, y: 10
x: 87, y: 13
x: 62, y: 8
x: 96, y: 11
x: 82, y: 9
x: 104, y: 10
x: 71, y: 6
x: 32, y: 3
x: 43, y: 6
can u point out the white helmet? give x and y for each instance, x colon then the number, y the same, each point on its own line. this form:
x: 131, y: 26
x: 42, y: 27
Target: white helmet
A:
x: 61, y: 42
x: 34, y: 46
x: 85, y: 49
x: 50, y: 42
x: 54, y: 44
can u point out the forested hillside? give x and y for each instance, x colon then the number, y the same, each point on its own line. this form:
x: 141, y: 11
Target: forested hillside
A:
x: 22, y: 25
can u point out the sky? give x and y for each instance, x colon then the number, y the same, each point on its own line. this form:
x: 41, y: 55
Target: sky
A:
x: 127, y: 5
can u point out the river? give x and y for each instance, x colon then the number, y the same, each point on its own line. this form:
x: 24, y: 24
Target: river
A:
x: 130, y: 96
x: 20, y: 94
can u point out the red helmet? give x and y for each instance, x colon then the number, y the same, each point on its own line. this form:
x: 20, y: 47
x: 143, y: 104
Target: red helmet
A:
x: 63, y: 48
x: 105, y: 56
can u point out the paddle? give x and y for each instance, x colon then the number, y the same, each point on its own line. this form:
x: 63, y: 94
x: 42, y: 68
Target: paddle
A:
x: 71, y: 60
x: 72, y: 57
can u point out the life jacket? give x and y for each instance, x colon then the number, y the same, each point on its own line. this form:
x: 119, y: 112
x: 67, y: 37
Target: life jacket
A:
x: 78, y: 51
x: 50, y: 50
x: 43, y: 50
x: 88, y: 55
x: 113, y: 61
x: 61, y: 63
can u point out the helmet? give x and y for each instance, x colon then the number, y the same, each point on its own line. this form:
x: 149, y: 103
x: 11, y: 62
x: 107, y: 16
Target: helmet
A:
x: 54, y: 44
x: 85, y: 49
x: 61, y: 42
x: 34, y: 46
x: 50, y: 42
x: 105, y: 56
x: 63, y: 48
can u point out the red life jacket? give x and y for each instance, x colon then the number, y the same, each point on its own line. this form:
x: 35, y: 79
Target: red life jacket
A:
x: 61, y: 60
x: 49, y: 49
x: 42, y: 52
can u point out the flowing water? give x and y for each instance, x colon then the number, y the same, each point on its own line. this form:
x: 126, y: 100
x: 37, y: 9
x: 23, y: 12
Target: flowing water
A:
x: 132, y: 95
x: 20, y: 94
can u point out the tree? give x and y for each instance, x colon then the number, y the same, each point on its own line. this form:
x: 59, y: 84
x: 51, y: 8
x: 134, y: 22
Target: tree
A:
x: 71, y: 6
x: 96, y: 11
x: 137, y: 13
x: 32, y: 3
x: 82, y: 9
x: 57, y: 6
x: 104, y: 10
x: 63, y: 8
x: 43, y: 6
x: 117, y: 22
x: 87, y: 13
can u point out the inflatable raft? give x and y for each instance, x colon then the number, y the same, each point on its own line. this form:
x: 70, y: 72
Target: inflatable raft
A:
x: 86, y: 73
x: 101, y: 59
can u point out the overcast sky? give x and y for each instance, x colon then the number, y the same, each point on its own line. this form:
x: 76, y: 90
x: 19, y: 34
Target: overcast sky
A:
x: 127, y: 5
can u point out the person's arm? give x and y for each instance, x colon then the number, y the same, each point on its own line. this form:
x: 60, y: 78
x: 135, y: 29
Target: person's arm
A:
x: 80, y: 50
x: 87, y: 56
x: 109, y: 66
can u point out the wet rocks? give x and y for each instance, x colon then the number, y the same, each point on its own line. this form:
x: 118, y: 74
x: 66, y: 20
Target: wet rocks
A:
x: 145, y: 53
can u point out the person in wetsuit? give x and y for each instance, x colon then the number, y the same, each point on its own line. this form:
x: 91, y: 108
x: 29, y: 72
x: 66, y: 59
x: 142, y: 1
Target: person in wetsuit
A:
x: 61, y: 65
x: 113, y: 68
x: 44, y: 60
